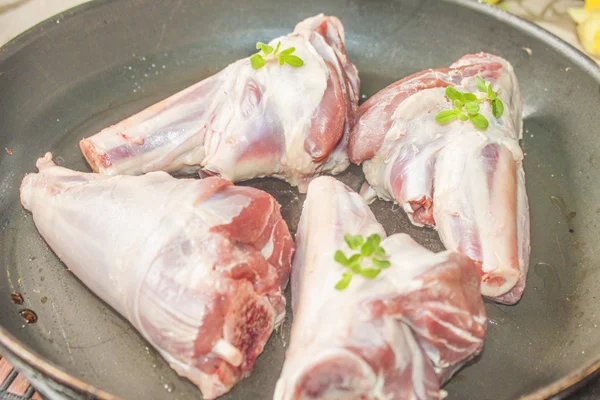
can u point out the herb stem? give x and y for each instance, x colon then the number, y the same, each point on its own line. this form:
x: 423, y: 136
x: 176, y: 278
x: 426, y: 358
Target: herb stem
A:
x: 259, y: 60
x: 369, y: 249
x: 466, y: 105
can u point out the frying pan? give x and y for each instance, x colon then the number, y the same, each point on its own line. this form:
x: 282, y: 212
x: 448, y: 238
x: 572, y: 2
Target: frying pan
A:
x: 98, y: 63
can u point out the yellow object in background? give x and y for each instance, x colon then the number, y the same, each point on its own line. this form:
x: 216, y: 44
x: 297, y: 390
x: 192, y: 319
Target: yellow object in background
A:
x: 591, y: 4
x: 497, y: 4
x: 589, y: 32
x: 588, y: 18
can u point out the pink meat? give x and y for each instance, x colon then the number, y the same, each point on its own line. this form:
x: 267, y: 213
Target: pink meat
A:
x: 197, y: 266
x: 399, y: 336
x: 468, y: 184
x: 242, y: 123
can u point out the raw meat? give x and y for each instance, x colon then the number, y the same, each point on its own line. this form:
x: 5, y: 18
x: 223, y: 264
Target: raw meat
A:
x: 242, y: 123
x: 197, y: 266
x: 396, y: 337
x: 467, y: 183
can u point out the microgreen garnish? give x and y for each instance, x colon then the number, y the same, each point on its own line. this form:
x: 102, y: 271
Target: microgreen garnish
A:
x: 368, y: 261
x: 466, y: 105
x: 269, y: 53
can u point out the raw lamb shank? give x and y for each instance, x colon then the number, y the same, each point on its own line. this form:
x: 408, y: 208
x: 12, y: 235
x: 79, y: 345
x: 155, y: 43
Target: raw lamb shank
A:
x: 466, y: 182
x: 242, y: 123
x: 398, y: 336
x: 197, y: 266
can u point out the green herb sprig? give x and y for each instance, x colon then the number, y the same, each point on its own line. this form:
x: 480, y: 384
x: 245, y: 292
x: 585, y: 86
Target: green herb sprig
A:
x: 466, y: 105
x: 369, y: 252
x: 269, y: 53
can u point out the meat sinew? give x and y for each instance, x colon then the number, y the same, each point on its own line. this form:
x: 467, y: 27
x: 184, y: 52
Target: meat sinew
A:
x: 467, y: 183
x: 197, y: 266
x: 242, y: 123
x: 398, y: 336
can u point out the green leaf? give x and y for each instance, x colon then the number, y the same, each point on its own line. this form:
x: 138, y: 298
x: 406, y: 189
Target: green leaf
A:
x: 367, y: 250
x: 472, y: 108
x: 354, y: 263
x: 354, y: 241
x: 490, y: 92
x: 257, y: 61
x: 497, y: 108
x: 370, y: 273
x: 375, y: 239
x: 280, y: 59
x: 481, y: 84
x: 454, y: 95
x: 380, y: 252
x: 287, y: 51
x: 277, y: 48
x: 355, y: 267
x: 479, y: 121
x: 382, y: 264
x: 369, y: 247
x: 340, y: 257
x: 469, y: 97
x: 344, y: 282
x: 462, y: 117
x: 355, y: 258
x: 292, y: 60
x: 444, y: 117
x: 264, y: 47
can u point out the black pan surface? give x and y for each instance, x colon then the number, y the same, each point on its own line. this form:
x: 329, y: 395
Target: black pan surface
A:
x: 96, y: 64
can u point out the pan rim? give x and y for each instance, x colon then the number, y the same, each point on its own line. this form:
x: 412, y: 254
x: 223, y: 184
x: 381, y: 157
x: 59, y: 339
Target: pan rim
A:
x: 19, y: 350
x: 555, y: 390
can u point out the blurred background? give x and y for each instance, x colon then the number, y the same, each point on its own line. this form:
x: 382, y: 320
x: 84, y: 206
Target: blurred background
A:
x: 575, y: 21
x: 16, y: 16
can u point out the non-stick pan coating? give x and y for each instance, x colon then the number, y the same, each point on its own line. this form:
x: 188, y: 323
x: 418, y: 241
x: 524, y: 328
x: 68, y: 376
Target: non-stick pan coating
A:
x: 96, y: 64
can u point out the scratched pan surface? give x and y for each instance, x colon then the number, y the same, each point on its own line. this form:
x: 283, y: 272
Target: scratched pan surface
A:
x: 94, y: 65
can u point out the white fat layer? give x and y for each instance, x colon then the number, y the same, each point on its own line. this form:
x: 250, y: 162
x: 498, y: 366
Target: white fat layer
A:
x: 144, y: 245
x: 330, y: 211
x: 444, y: 162
x: 215, y: 125
x: 268, y: 249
